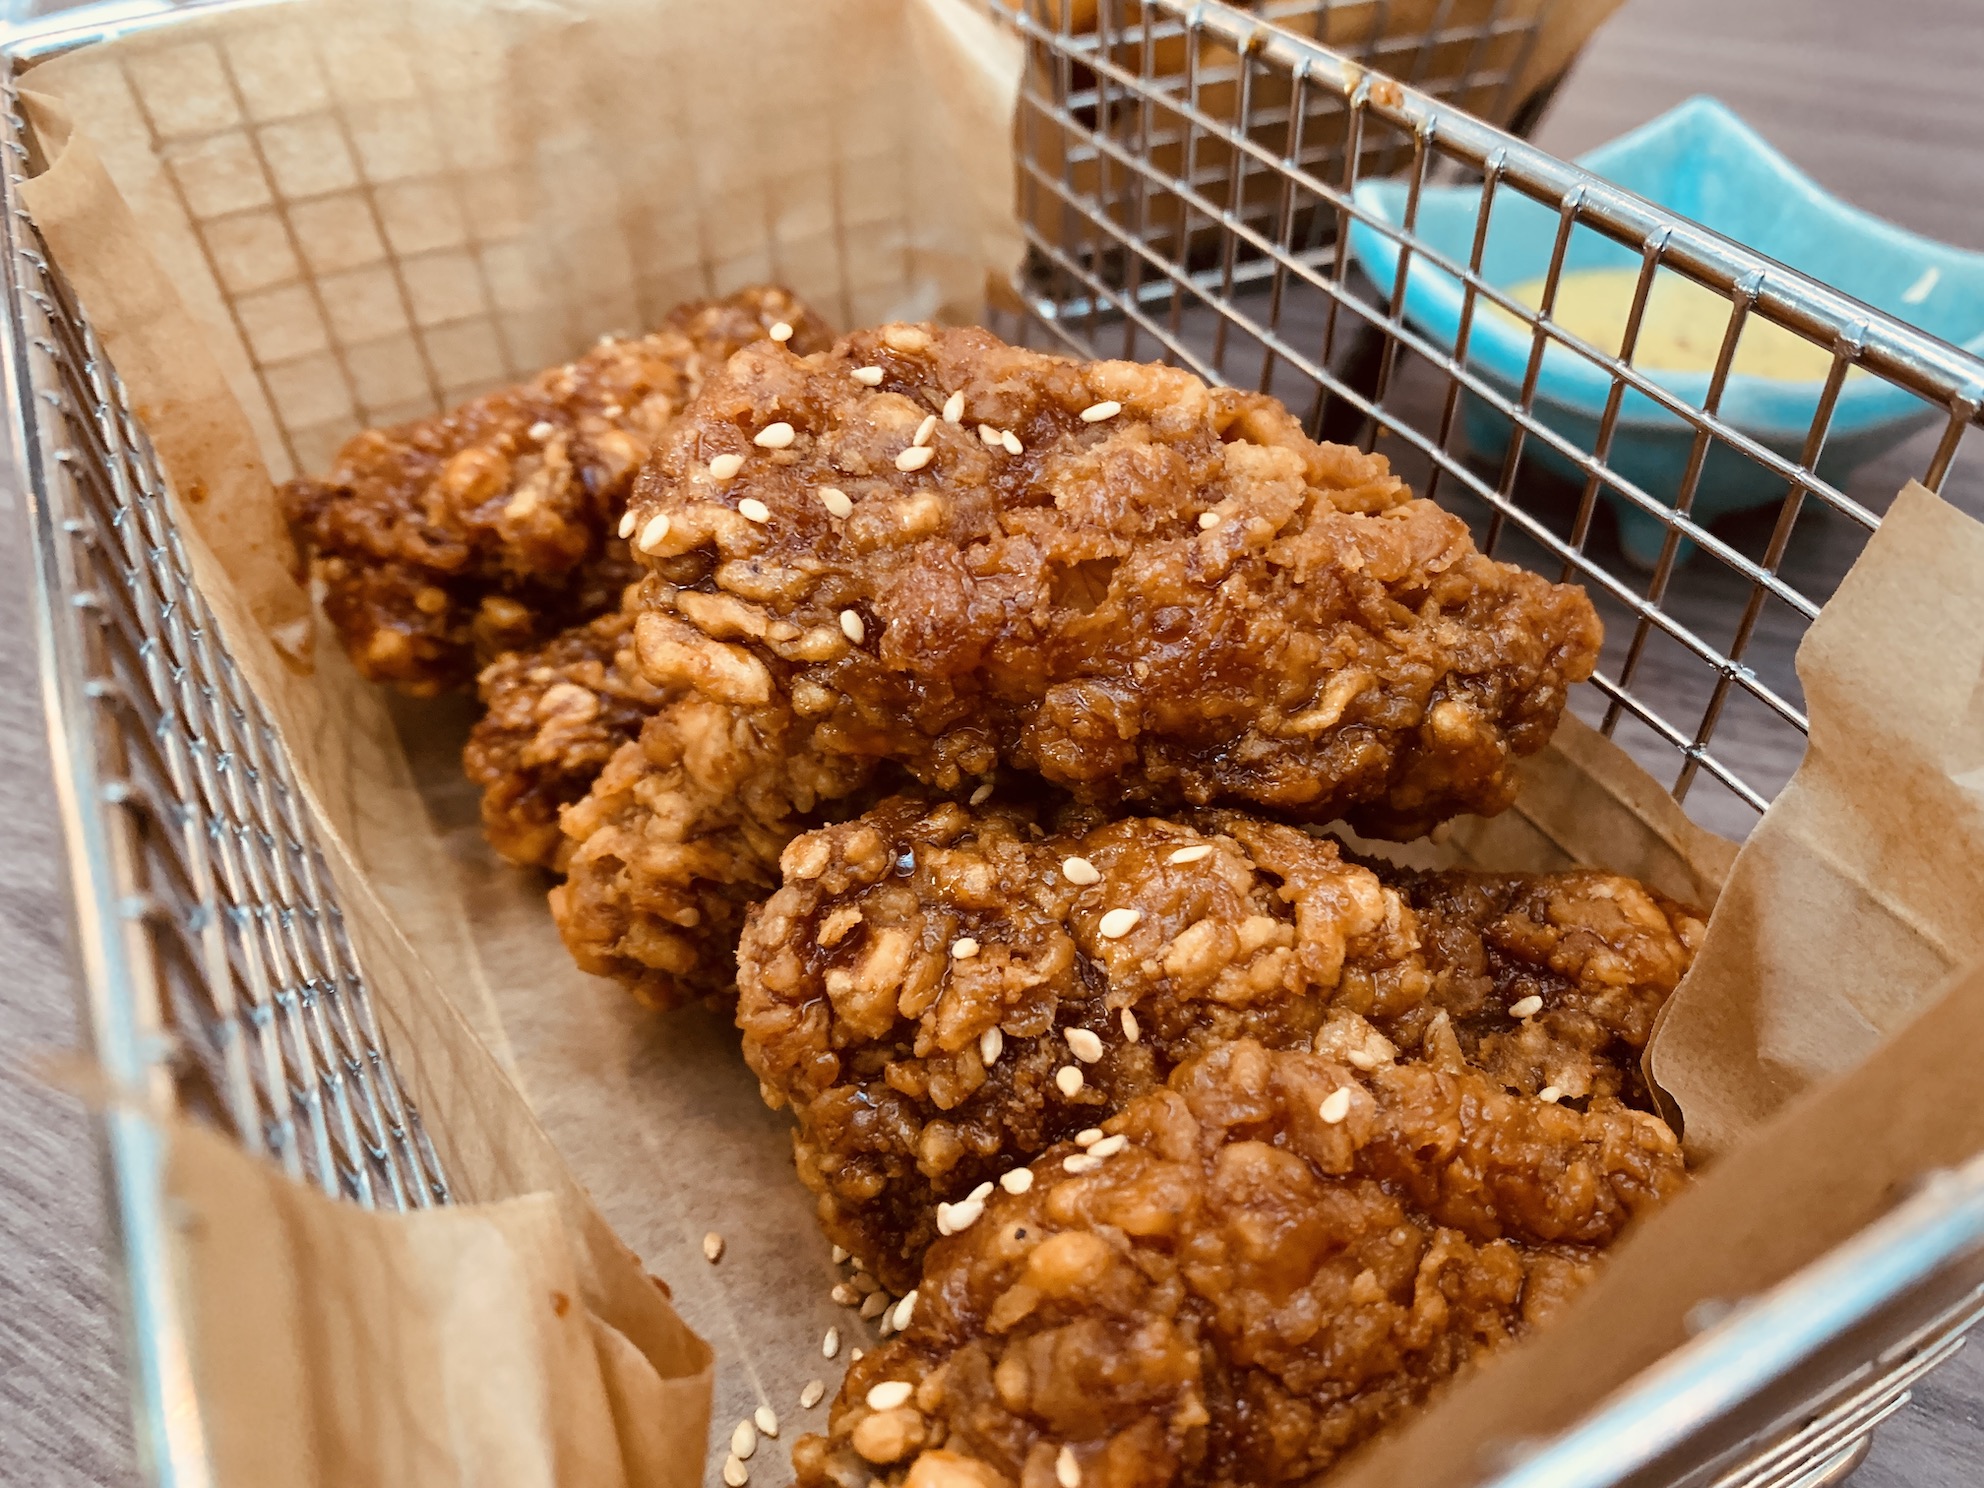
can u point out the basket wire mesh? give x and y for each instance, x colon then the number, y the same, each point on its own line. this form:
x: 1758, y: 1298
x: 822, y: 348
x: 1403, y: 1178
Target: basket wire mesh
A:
x: 1201, y: 266
x: 1187, y: 172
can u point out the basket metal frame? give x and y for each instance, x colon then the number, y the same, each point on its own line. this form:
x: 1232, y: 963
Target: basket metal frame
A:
x: 213, y: 963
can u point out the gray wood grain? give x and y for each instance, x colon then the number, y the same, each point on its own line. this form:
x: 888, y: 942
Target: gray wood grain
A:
x: 1881, y: 103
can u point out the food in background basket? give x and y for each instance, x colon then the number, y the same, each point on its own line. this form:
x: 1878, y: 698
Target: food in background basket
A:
x: 942, y: 993
x: 444, y: 542
x: 552, y: 719
x: 933, y: 548
x: 1254, y: 1270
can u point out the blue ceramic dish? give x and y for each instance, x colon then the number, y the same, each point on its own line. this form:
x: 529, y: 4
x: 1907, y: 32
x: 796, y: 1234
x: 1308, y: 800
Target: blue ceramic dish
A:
x: 1703, y: 162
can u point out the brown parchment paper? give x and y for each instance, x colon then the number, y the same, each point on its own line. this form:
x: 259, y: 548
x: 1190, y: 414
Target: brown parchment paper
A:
x: 1862, y: 889
x: 603, y: 160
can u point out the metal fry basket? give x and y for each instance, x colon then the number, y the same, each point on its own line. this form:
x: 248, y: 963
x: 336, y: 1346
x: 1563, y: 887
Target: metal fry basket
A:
x: 1188, y: 176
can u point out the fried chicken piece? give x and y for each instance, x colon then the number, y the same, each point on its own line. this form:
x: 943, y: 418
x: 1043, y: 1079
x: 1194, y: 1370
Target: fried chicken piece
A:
x: 443, y: 542
x: 929, y: 976
x: 1258, y: 1268
x: 1145, y: 591
x: 907, y: 946
x: 553, y: 718
x: 1548, y: 981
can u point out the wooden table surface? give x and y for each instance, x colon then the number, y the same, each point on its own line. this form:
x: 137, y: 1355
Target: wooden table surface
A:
x: 1881, y: 103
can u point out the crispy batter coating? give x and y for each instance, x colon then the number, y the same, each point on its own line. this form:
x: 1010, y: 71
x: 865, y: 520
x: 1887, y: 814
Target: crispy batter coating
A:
x: 446, y: 541
x: 1185, y: 601
x: 553, y: 718
x: 909, y: 945
x: 1599, y: 951
x: 679, y: 835
x: 860, y: 1012
x: 1246, y: 1288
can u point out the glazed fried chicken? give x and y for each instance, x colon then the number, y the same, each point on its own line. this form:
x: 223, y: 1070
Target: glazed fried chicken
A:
x: 552, y: 719
x: 931, y: 548
x: 1257, y: 1268
x: 441, y: 543
x: 940, y: 992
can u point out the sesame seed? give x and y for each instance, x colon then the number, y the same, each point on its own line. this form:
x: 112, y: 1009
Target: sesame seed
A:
x: 735, y: 1473
x: 1067, y: 1471
x: 830, y: 1345
x: 626, y: 524
x: 905, y: 1309
x: 1191, y: 854
x: 980, y: 1194
x: 780, y: 333
x: 1335, y: 1106
x: 542, y: 430
x: 990, y: 435
x: 991, y: 1044
x: 766, y: 1420
x: 1549, y: 1095
x: 1109, y: 1146
x: 924, y: 430
x: 775, y: 436
x: 1012, y: 442
x: 1086, y: 1046
x: 1068, y: 1080
x: 1208, y: 520
x: 1119, y: 923
x: 854, y: 1356
x: 1079, y: 871
x: 1018, y: 1181
x: 952, y: 1218
x: 653, y: 533
x: 712, y: 1247
x: 1362, y: 1059
x: 723, y: 467
x: 889, y: 1394
x: 983, y: 794
x: 814, y: 1392
x: 1529, y: 1007
x: 1130, y: 1029
x: 840, y: 1255
x: 964, y: 948
x: 1089, y: 1137
x: 844, y: 1295
x: 864, y: 1283
x: 751, y: 509
x: 743, y: 1440
x: 836, y: 501
x: 954, y: 408
x: 873, y: 1305
x: 915, y: 457
x: 1095, y: 413
x: 868, y: 376
x: 852, y: 628
x: 1080, y: 1162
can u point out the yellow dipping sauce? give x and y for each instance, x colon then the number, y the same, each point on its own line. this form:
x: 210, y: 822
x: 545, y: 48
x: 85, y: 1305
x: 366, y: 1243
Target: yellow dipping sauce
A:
x: 1682, y: 329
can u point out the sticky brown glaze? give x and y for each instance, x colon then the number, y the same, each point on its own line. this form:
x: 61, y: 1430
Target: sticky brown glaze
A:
x: 1246, y: 1289
x: 441, y: 543
x: 1597, y: 954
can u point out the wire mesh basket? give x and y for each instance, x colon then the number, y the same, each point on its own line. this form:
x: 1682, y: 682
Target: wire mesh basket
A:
x: 1188, y: 175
